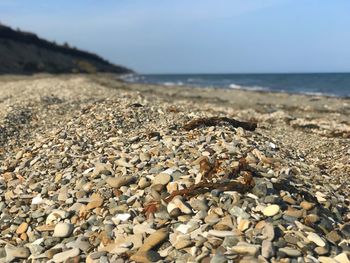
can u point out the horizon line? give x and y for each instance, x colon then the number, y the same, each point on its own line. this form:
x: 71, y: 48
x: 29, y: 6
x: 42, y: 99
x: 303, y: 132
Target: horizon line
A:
x: 246, y: 73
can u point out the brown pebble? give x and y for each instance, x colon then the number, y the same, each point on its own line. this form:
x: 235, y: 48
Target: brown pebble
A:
x: 307, y: 205
x: 288, y: 199
x: 294, y: 212
x: 311, y: 219
x: 22, y: 228
x: 24, y: 236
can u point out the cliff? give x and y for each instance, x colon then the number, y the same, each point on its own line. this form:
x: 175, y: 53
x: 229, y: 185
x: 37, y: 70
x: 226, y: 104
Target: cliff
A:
x: 26, y: 53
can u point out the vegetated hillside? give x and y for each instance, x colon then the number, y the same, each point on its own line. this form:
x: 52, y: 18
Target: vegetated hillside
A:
x: 26, y: 53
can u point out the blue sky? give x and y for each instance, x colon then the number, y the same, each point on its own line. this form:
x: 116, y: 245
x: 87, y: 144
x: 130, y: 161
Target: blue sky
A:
x: 196, y: 36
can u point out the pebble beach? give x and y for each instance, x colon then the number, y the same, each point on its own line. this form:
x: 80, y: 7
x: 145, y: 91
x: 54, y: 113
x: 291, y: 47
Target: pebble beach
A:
x: 93, y: 169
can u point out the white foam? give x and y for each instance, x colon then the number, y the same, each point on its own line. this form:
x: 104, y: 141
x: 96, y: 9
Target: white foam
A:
x: 253, y: 88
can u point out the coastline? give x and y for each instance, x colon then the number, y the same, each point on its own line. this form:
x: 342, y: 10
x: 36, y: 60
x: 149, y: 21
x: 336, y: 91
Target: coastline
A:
x: 108, y: 168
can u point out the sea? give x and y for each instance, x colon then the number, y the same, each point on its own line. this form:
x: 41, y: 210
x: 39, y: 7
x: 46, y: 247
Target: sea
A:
x: 327, y: 84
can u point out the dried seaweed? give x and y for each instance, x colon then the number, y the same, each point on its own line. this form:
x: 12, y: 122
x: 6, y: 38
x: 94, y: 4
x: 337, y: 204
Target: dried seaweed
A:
x: 216, y: 121
x: 151, y: 208
x: 207, y: 185
x: 208, y: 169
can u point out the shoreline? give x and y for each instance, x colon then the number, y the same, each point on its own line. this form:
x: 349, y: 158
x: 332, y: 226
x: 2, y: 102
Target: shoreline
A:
x: 239, y: 87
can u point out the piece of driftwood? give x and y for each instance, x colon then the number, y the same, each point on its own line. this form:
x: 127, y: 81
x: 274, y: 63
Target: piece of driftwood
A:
x: 215, y: 121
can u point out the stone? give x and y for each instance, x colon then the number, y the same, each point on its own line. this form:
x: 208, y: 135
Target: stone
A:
x: 239, y: 212
x: 294, y: 213
x: 22, y: 228
x: 102, y: 168
x: 333, y: 237
x: 218, y: 233
x: 117, y: 182
x: 288, y: 199
x: 342, y: 258
x: 95, y: 201
x: 63, y: 230
x: 199, y: 205
x: 230, y: 241
x: 267, y: 249
x: 123, y: 217
x: 311, y: 219
x: 145, y: 157
x: 323, y: 259
x: 260, y: 189
x: 268, y: 232
x: 316, y: 239
x: 307, y: 205
x: 218, y: 258
x: 51, y: 252
x: 162, y: 179
x: 321, y: 197
x: 243, y: 225
x: 154, y: 239
x: 243, y: 248
x: 271, y: 210
x: 345, y: 229
x: 13, y: 252
x: 94, y: 256
x: 291, y: 252
x: 321, y: 250
x: 183, y: 243
x: 184, y: 208
x: 45, y: 228
x: 65, y: 255
x: 143, y: 183
x: 56, y: 216
x: 183, y: 228
x: 37, y: 200
x: 146, y: 256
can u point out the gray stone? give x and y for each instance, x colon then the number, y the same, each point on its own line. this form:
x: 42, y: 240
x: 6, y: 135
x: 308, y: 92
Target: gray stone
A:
x: 291, y: 252
x: 218, y: 258
x: 63, y: 256
x: 16, y: 252
x: 267, y: 250
x: 230, y: 241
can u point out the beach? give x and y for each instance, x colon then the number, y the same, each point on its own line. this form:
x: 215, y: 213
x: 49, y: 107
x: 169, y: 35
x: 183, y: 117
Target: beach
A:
x: 94, y: 169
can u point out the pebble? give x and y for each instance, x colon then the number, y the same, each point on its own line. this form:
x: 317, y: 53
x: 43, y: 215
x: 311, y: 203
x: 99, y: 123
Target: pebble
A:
x: 22, y: 228
x: 245, y: 249
x: 185, y: 208
x: 271, y: 210
x: 316, y: 239
x: 146, y: 256
x: 56, y: 216
x: 118, y: 182
x: 65, y: 255
x: 342, y: 258
x: 218, y: 258
x: 13, y: 252
x: 218, y: 233
x: 290, y: 251
x: 63, y: 230
x: 154, y: 239
x: 267, y: 249
x: 306, y: 205
x: 162, y: 179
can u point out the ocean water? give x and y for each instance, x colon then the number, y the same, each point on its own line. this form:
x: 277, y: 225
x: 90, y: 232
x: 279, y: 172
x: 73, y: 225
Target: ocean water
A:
x: 330, y: 84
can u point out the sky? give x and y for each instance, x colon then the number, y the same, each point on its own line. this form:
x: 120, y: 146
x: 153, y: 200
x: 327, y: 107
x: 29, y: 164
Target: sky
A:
x: 196, y: 36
